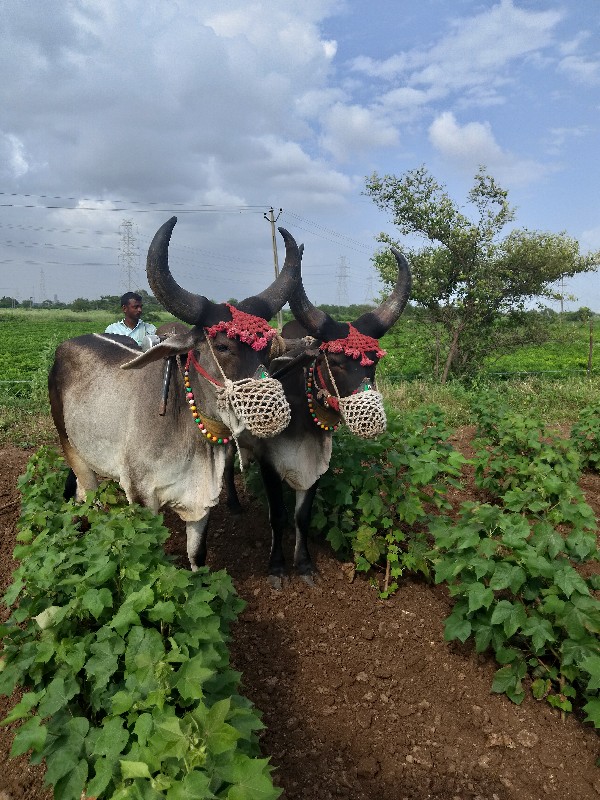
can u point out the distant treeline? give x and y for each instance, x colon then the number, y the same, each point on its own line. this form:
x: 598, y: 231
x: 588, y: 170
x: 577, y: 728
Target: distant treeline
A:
x: 110, y: 302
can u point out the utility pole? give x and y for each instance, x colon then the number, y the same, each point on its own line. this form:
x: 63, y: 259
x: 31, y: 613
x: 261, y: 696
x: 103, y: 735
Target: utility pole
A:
x: 273, y: 219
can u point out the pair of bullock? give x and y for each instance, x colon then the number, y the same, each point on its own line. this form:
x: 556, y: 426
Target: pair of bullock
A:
x: 280, y: 400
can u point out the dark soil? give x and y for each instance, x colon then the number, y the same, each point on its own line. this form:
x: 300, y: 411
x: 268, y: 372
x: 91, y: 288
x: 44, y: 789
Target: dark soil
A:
x: 362, y: 698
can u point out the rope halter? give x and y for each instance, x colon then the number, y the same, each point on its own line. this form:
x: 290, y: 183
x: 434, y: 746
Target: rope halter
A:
x: 258, y: 402
x: 362, y: 411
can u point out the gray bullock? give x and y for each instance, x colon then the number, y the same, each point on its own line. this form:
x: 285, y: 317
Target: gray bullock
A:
x: 321, y: 384
x: 105, y: 395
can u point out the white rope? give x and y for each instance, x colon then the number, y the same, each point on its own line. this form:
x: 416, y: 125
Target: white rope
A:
x: 362, y: 412
x: 259, y: 402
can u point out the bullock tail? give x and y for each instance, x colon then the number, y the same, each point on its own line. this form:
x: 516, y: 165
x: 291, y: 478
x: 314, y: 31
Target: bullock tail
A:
x: 70, y: 486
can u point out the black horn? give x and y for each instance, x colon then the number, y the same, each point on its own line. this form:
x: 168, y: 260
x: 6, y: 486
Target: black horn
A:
x: 316, y: 322
x: 377, y: 323
x: 268, y: 303
x: 188, y: 307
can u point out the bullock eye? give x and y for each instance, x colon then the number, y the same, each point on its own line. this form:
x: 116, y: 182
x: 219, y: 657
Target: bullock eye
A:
x: 221, y: 348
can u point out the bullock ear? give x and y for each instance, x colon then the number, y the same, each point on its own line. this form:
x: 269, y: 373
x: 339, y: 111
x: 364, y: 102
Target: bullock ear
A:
x: 284, y: 364
x: 172, y: 346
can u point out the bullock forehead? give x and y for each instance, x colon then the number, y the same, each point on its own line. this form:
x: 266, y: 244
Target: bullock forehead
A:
x: 248, y: 328
x: 356, y: 345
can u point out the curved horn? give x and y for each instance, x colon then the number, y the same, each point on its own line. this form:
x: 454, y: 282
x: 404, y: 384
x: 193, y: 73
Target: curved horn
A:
x: 316, y: 322
x: 188, y: 307
x: 376, y: 323
x: 268, y: 303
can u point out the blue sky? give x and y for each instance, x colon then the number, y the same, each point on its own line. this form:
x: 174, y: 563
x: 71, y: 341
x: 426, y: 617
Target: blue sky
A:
x: 136, y: 110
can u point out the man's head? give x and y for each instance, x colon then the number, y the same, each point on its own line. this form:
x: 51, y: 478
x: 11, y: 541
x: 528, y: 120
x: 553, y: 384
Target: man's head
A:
x: 131, y: 303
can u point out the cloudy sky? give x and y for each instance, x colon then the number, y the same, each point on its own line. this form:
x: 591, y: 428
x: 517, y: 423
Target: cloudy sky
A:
x: 116, y: 114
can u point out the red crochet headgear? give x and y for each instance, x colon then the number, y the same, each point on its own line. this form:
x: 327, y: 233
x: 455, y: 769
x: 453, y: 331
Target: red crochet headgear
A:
x: 355, y: 345
x: 248, y: 328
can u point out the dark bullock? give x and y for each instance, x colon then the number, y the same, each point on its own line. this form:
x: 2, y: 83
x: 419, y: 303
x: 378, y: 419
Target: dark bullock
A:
x: 331, y: 383
x: 105, y: 395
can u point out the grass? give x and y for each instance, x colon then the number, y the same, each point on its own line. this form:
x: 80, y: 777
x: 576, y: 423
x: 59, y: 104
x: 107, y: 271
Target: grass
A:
x: 556, y: 401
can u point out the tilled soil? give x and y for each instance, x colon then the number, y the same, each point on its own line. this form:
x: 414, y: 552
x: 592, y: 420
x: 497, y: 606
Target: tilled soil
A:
x: 362, y: 698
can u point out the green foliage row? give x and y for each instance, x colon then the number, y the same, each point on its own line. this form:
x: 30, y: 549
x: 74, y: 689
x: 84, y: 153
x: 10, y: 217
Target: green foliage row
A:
x: 128, y: 692
x: 585, y: 434
x: 379, y: 495
x: 511, y: 563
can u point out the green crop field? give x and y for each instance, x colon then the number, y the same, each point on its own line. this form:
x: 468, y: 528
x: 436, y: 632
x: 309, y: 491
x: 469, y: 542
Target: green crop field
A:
x: 565, y: 353
x: 549, y: 380
x: 29, y: 338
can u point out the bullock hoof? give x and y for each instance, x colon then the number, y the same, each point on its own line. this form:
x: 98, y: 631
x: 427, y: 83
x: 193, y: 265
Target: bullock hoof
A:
x: 276, y: 582
x: 309, y: 579
x: 235, y: 508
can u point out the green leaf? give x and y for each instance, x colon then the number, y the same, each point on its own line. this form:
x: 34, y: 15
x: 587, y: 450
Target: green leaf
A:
x: 67, y: 749
x: 480, y: 596
x: 569, y: 580
x: 194, y: 786
x: 60, y: 690
x: 112, y: 739
x: 540, y: 630
x: 134, y: 769
x: 101, y: 666
x: 592, y: 710
x: 104, y: 772
x: 456, y: 627
x: 96, y: 600
x: 121, y: 702
x: 51, y: 616
x: 591, y: 665
x: 510, y: 615
x: 30, y: 736
x: 250, y: 778
x: 163, y: 611
x: 22, y: 709
x: 169, y: 740
x: 508, y: 679
x: 540, y: 688
x: 70, y: 786
x: 191, y: 676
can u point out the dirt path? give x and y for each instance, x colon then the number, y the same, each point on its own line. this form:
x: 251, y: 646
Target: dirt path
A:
x: 362, y: 698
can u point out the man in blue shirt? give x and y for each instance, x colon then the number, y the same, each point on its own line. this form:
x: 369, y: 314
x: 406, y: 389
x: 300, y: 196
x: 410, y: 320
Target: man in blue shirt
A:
x: 132, y: 324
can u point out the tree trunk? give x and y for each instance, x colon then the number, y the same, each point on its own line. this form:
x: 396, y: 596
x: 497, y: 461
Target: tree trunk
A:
x: 451, y: 353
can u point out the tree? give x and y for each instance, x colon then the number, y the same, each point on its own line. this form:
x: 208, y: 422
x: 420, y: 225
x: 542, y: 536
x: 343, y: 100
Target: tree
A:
x: 472, y: 285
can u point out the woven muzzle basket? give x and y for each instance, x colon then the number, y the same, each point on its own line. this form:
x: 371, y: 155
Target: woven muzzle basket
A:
x: 261, y: 405
x: 364, y: 413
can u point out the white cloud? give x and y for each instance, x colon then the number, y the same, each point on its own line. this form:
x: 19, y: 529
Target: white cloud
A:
x: 580, y: 69
x: 13, y: 161
x: 351, y: 129
x: 467, y: 146
x: 590, y: 240
x: 476, y: 52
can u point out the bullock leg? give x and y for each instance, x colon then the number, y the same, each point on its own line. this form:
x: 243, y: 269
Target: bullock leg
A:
x: 233, y: 501
x: 196, y: 541
x: 277, y: 518
x: 302, y: 560
x: 87, y: 480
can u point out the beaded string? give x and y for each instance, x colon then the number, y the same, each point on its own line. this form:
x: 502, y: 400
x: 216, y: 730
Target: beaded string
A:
x: 189, y: 395
x: 310, y: 383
